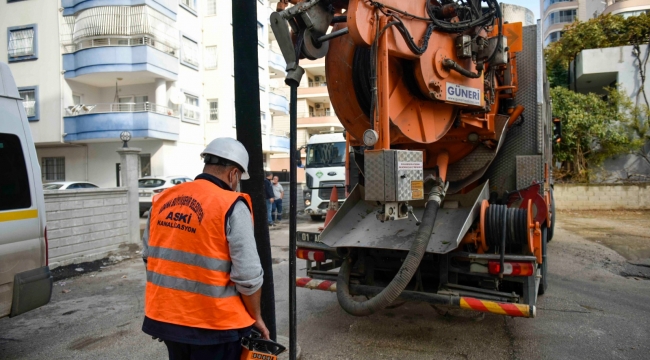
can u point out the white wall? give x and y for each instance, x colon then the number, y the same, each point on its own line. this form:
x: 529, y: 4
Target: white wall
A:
x: 85, y: 225
x: 45, y: 71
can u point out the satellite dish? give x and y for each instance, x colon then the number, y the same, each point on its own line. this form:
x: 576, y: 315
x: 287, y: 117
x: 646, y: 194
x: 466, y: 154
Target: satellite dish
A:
x: 176, y: 97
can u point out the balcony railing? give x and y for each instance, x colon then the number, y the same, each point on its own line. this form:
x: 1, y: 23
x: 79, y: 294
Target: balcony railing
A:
x: 317, y: 83
x: 119, y: 41
x: 84, y: 109
x: 317, y: 113
x: 277, y: 132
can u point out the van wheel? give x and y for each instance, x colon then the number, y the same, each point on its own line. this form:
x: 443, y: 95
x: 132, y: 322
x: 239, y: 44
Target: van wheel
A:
x: 316, y: 217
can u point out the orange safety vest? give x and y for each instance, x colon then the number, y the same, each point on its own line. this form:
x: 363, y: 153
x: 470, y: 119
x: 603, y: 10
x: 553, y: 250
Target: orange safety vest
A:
x: 188, y: 262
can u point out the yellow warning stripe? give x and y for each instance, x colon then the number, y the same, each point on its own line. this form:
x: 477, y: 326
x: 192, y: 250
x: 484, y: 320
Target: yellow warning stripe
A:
x: 509, y: 309
x: 18, y: 215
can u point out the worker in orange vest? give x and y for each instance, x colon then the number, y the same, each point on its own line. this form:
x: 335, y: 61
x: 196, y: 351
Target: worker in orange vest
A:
x: 204, y: 276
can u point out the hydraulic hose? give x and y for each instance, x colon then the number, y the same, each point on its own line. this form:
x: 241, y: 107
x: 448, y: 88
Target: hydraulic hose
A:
x: 403, y: 277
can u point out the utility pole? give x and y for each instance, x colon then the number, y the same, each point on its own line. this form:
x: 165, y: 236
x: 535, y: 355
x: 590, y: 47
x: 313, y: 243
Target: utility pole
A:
x: 249, y: 132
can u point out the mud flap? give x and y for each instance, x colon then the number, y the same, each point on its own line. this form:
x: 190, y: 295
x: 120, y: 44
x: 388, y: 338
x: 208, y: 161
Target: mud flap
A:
x: 32, y: 289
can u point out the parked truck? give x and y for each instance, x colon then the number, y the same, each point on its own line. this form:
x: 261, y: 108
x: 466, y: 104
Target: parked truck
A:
x: 324, y: 170
x: 447, y: 112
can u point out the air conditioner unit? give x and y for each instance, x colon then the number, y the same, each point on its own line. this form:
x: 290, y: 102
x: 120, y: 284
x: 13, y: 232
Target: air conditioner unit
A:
x: 317, y: 106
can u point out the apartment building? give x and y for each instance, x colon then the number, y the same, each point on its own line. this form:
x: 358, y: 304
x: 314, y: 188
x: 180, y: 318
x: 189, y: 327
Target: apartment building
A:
x: 315, y: 112
x: 159, y: 69
x: 627, y: 8
x: 556, y: 14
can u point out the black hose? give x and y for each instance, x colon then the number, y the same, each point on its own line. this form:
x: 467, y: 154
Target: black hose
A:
x: 452, y: 65
x: 399, y: 282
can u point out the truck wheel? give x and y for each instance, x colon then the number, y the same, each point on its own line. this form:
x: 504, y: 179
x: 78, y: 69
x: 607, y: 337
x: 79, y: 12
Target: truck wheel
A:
x: 543, y: 284
x: 551, y: 229
x: 316, y: 217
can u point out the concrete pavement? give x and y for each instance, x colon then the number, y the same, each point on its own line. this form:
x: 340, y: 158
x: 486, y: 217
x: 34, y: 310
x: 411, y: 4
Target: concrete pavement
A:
x: 589, y: 311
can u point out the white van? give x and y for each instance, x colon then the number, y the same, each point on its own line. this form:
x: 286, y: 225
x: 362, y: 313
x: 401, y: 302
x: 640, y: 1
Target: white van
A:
x: 25, y: 278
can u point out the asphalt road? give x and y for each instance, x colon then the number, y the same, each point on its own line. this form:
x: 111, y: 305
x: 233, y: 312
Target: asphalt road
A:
x: 588, y: 312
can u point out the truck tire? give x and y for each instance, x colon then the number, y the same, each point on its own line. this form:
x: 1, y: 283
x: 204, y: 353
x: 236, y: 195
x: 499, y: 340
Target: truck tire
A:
x: 316, y: 217
x: 551, y: 229
x: 543, y: 284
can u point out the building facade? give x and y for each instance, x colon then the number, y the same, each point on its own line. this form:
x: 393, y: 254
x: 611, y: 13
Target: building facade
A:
x: 159, y: 69
x: 556, y: 14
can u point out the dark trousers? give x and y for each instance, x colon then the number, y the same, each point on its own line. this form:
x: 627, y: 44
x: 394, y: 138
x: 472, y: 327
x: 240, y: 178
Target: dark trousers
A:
x: 227, y: 351
x: 277, y: 208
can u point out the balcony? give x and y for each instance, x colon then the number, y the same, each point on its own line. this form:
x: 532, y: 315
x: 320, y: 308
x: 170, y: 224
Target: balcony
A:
x: 314, y: 89
x: 99, y: 42
x: 278, y: 104
x: 277, y: 65
x: 107, y: 121
x: 279, y: 141
x: 318, y: 119
x: 166, y: 7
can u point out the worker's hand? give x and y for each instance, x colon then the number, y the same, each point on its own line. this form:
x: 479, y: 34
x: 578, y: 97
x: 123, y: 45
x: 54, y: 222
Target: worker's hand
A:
x: 272, y: 200
x: 259, y: 325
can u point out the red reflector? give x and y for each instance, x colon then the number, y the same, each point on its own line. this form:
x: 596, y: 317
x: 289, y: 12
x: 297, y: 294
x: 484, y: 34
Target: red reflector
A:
x: 511, y: 268
x: 47, y: 248
x: 314, y: 255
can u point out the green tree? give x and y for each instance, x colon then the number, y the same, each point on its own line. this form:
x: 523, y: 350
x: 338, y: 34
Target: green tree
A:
x: 593, y: 130
x: 601, y: 32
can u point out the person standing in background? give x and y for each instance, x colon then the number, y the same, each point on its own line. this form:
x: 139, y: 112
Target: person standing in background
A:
x: 278, y: 193
x: 270, y: 197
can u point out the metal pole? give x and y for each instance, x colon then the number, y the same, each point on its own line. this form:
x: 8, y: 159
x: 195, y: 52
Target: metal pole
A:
x: 293, y: 198
x: 249, y: 132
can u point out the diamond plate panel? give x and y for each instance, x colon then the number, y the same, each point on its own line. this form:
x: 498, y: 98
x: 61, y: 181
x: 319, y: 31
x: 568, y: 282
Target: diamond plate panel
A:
x: 405, y: 177
x: 529, y: 169
x: 390, y: 187
x: 479, y: 159
x: 374, y: 175
x: 524, y: 139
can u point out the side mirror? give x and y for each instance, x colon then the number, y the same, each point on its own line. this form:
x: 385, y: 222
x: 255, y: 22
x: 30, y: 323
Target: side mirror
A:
x: 298, y: 159
x: 557, y: 130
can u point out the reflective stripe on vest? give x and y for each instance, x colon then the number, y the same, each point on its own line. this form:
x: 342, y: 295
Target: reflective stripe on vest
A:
x: 188, y: 259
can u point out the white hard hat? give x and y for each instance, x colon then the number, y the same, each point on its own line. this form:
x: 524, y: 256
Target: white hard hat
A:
x: 229, y: 149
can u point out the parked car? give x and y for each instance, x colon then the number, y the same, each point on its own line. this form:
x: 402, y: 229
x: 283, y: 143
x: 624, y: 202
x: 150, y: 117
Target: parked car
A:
x: 69, y: 185
x: 25, y: 277
x: 151, y: 185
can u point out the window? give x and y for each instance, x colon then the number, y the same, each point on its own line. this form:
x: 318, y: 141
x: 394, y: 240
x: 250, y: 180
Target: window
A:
x: 189, y: 5
x: 53, y: 168
x: 30, y: 101
x: 260, y: 34
x: 214, y: 109
x: 145, y: 165
x: 76, y: 99
x: 211, y: 7
x: 189, y: 53
x: 14, y: 183
x: 210, y: 57
x: 191, y: 110
x: 562, y: 16
x: 22, y: 43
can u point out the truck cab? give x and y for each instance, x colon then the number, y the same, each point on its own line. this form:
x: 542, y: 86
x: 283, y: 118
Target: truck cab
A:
x: 324, y: 169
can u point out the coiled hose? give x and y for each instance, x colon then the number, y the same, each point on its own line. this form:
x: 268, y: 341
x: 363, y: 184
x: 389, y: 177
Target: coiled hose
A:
x: 399, y: 282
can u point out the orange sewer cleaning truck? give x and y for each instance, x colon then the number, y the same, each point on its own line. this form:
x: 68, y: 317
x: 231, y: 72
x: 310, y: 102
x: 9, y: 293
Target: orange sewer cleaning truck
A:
x: 447, y: 121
